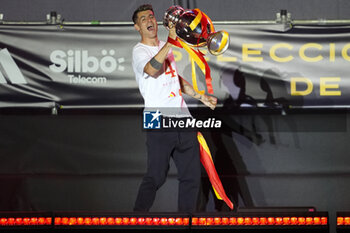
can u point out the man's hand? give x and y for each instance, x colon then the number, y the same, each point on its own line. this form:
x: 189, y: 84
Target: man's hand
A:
x: 209, y: 101
x: 172, y: 31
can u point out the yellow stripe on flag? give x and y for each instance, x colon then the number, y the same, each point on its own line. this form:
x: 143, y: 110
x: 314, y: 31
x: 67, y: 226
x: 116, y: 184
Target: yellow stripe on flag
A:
x: 204, y: 145
x: 196, y: 20
x: 223, y: 41
x: 193, y: 55
x: 216, y: 194
x: 194, y: 79
x: 194, y: 59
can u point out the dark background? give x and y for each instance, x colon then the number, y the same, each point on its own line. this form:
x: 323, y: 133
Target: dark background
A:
x: 94, y: 160
x: 222, y: 10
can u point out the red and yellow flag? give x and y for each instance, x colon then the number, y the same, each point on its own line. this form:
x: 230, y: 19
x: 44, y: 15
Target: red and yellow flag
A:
x: 208, y: 164
x: 196, y: 58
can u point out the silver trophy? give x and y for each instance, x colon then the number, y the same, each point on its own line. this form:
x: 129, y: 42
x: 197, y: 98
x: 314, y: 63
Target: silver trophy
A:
x: 202, y: 35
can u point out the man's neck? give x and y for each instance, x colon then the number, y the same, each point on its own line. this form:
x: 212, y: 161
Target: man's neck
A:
x: 150, y: 41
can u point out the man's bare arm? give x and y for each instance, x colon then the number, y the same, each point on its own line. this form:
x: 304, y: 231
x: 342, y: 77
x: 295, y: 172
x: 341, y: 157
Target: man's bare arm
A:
x: 156, y: 63
x: 187, y: 88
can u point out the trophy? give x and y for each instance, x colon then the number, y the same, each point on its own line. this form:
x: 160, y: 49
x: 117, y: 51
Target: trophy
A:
x: 196, y: 29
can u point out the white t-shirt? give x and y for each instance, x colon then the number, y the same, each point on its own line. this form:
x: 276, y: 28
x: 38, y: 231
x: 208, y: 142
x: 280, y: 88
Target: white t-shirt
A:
x: 163, y: 92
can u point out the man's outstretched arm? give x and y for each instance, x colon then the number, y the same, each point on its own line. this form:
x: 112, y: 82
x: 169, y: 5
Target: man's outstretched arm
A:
x: 156, y: 63
x: 207, y: 100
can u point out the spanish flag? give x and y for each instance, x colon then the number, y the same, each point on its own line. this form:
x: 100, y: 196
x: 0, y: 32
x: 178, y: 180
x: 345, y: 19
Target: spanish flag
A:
x: 208, y: 164
x: 196, y: 58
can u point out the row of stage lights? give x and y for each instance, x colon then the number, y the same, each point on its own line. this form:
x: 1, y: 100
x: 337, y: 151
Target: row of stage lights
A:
x: 298, y: 221
x: 207, y: 221
x: 170, y: 221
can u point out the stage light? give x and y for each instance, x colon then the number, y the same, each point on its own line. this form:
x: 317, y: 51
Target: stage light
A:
x: 103, y: 221
x: 65, y: 221
x: 195, y: 221
x: 317, y: 221
x: 301, y: 221
x: 95, y: 221
x: 19, y: 221
x: 186, y: 221
x: 125, y: 221
x: 72, y: 221
x: 87, y: 221
x: 202, y: 221
x: 11, y: 222
x: 255, y: 221
x: 248, y: 221
x: 217, y: 221
x: 80, y: 221
x: 225, y: 221
x: 171, y: 221
x: 133, y: 221
x: 163, y: 221
x: 209, y: 221
x: 155, y: 221
x: 233, y: 221
x: 110, y: 221
x: 278, y: 221
x: 118, y: 221
x: 286, y: 221
x: 141, y: 221
x: 149, y: 221
x: 179, y: 221
x: 309, y: 221
x: 263, y: 221
x: 294, y: 220
x: 240, y: 221
x: 270, y: 221
x: 347, y: 221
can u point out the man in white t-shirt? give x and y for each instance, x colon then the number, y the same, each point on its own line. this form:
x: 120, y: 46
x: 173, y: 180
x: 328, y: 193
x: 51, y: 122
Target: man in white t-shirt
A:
x: 161, y: 87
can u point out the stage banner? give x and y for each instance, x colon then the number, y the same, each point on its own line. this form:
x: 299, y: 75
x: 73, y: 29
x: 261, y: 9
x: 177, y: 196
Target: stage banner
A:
x: 90, y: 66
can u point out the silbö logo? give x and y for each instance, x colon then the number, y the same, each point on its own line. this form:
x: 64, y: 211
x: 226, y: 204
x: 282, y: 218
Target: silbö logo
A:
x: 155, y: 120
x: 78, y: 62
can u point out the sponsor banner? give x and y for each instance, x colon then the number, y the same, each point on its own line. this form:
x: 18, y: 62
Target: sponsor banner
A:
x: 90, y: 66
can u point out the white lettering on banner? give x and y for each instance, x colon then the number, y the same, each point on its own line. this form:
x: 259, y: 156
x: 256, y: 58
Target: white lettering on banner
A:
x: 10, y: 69
x: 80, y: 61
x: 283, y: 53
x: 87, y: 80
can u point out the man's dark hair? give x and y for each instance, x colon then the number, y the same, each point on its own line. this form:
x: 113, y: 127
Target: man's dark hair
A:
x: 144, y: 7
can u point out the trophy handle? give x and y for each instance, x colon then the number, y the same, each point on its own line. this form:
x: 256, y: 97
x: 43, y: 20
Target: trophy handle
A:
x: 218, y: 42
x: 172, y: 15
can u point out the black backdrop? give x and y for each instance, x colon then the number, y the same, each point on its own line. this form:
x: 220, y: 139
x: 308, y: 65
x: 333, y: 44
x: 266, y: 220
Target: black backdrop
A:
x: 79, y: 161
x: 108, y: 10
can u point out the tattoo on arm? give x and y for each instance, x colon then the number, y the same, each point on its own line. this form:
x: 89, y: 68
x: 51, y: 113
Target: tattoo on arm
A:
x: 155, y: 64
x: 188, y: 89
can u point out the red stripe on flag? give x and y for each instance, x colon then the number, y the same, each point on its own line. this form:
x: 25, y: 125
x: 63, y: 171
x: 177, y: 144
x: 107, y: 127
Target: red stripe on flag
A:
x: 215, y: 181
